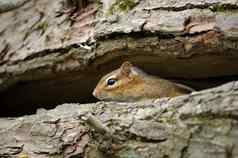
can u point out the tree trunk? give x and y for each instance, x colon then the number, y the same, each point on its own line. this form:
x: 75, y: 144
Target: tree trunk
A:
x: 203, y: 124
x: 54, y: 52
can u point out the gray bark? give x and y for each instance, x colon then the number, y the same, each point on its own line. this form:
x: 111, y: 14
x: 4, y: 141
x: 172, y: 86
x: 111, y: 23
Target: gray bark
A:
x: 47, y: 39
x: 53, y: 52
x: 202, y: 124
x: 10, y: 4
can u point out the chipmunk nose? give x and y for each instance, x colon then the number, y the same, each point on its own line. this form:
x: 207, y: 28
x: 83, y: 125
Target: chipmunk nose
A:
x: 95, y: 93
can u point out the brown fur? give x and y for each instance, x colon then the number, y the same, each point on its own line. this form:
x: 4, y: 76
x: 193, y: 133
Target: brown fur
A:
x: 132, y: 84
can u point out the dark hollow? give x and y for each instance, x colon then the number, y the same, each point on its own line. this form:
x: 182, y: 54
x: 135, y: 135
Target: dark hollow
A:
x: 26, y: 97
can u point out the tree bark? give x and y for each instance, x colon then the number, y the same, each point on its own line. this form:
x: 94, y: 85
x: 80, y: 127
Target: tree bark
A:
x: 54, y: 52
x: 202, y: 124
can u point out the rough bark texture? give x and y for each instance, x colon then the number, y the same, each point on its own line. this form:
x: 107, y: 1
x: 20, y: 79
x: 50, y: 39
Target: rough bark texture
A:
x: 202, y: 124
x: 54, y: 52
x: 67, y: 45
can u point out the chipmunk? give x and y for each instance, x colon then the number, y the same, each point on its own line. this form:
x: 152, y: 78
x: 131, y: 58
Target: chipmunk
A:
x: 129, y: 83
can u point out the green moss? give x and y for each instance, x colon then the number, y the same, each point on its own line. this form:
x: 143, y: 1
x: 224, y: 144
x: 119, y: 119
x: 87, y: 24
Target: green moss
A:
x: 42, y: 27
x: 167, y: 120
x: 98, y: 2
x: 220, y: 8
x: 127, y: 153
x: 23, y: 156
x: 126, y: 5
x: 99, y: 7
x: 122, y: 5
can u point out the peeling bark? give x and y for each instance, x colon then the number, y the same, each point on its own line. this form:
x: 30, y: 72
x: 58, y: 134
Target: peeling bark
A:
x: 202, y: 124
x: 53, y: 52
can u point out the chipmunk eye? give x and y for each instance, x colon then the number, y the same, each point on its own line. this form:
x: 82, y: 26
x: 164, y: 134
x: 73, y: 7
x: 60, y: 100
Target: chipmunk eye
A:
x: 111, y: 82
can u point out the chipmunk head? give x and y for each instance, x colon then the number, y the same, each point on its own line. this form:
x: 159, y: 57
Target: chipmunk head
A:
x: 118, y: 84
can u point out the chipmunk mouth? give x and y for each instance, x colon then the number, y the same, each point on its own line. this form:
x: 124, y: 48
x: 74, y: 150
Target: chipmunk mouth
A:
x: 100, y: 96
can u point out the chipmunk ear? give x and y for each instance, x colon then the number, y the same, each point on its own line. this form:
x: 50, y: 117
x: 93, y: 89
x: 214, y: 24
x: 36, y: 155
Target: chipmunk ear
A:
x: 125, y: 68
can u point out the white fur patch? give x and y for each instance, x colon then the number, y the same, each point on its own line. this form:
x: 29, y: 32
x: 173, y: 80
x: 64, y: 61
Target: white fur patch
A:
x: 134, y: 72
x: 110, y: 77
